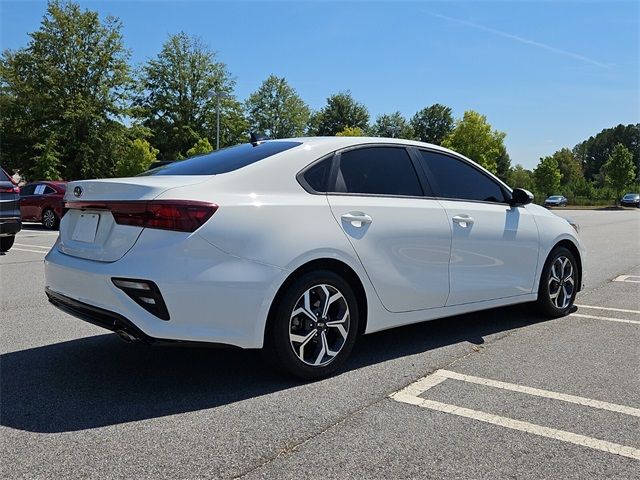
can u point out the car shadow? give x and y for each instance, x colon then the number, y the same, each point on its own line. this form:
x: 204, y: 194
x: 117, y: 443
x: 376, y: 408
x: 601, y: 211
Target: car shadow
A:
x: 98, y: 381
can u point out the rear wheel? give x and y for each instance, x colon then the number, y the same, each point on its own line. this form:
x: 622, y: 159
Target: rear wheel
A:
x: 6, y: 243
x: 49, y: 219
x: 558, y: 283
x: 314, y: 325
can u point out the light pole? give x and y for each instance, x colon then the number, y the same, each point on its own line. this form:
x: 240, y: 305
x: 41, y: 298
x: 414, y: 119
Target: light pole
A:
x: 212, y: 93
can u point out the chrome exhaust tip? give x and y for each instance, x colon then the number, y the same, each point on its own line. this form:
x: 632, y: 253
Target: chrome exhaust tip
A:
x: 125, y: 336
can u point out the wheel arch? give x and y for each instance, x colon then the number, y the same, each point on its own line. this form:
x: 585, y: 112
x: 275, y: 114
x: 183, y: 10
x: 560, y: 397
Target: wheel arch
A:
x: 331, y: 264
x: 573, y: 248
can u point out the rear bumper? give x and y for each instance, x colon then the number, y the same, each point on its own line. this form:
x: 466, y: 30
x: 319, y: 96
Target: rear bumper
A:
x: 10, y: 226
x: 211, y: 297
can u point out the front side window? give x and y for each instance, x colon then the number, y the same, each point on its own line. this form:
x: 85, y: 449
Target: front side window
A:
x: 453, y: 178
x: 377, y: 171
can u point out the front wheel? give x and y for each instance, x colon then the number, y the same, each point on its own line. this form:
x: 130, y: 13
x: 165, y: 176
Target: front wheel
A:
x: 314, y: 325
x: 558, y: 282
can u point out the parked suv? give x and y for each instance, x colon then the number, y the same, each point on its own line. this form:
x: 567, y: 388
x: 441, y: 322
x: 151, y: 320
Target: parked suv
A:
x: 43, y: 202
x: 10, y: 223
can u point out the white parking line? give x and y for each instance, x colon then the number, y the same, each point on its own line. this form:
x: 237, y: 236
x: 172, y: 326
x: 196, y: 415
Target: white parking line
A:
x: 32, y: 246
x: 623, y: 310
x: 628, y: 278
x: 608, y: 319
x: 410, y: 395
x: 27, y: 250
x: 514, y: 387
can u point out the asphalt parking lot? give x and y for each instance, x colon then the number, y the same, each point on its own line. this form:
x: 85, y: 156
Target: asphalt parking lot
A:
x: 496, y: 394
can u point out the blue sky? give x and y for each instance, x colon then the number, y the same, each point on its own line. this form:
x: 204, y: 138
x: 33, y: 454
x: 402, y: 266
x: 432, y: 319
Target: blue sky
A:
x: 548, y: 73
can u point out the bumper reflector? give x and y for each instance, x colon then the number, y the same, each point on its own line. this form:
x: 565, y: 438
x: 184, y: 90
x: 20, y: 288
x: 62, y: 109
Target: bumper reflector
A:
x: 145, y: 293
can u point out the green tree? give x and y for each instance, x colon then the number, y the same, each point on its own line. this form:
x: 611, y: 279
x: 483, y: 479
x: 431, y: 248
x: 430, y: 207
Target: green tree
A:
x: 619, y: 169
x: 277, y: 110
x: 70, y: 83
x: 392, y: 125
x: 473, y: 137
x: 46, y: 165
x: 570, y: 168
x: 201, y: 147
x: 340, y: 112
x: 138, y: 155
x: 547, y: 177
x: 594, y: 152
x: 351, y: 132
x: 519, y: 177
x: 176, y: 99
x: 503, y: 164
x: 432, y: 124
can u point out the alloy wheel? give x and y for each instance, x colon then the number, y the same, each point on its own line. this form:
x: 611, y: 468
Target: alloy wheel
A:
x: 561, y: 282
x: 48, y: 218
x: 319, y: 325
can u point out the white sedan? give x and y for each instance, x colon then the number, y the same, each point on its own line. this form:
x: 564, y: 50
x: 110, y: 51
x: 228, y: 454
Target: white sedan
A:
x: 300, y: 245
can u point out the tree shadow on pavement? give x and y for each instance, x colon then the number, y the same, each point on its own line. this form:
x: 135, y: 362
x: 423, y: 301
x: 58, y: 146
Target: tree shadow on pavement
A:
x: 97, y: 381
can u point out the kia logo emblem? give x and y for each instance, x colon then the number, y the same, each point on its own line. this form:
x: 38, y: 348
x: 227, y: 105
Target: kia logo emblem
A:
x: 77, y: 191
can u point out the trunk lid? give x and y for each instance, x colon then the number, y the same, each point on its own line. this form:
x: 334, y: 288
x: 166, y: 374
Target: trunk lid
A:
x: 91, y: 232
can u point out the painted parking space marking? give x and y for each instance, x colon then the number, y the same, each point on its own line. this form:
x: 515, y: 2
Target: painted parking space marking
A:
x: 627, y: 278
x: 33, y: 246
x: 622, y: 310
x: 608, y: 319
x: 27, y: 250
x: 411, y: 395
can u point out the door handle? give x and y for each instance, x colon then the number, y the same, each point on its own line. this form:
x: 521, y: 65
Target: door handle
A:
x: 463, y: 220
x: 357, y: 219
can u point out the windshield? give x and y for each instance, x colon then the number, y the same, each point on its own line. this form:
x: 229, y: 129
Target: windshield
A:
x: 225, y: 160
x: 631, y: 196
x: 555, y: 197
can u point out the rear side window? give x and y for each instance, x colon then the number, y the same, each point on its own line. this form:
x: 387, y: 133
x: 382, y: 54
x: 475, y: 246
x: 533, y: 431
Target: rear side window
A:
x: 223, y: 161
x: 453, y: 178
x: 3, y: 176
x: 27, y: 190
x: 48, y: 190
x: 377, y: 171
x: 317, y: 175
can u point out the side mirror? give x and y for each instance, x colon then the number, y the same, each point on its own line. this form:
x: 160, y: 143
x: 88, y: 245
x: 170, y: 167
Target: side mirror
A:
x: 520, y: 196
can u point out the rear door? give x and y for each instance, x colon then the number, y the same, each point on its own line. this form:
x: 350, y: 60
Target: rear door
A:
x: 28, y: 200
x: 494, y: 248
x: 401, y: 236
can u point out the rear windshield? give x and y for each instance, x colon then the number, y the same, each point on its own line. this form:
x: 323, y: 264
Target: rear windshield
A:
x: 3, y: 176
x: 223, y: 161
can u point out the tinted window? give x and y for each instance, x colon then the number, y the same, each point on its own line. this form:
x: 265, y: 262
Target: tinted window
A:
x: 452, y: 178
x: 316, y: 176
x: 48, y: 190
x: 225, y: 160
x: 377, y: 170
x: 27, y: 190
x: 4, y: 177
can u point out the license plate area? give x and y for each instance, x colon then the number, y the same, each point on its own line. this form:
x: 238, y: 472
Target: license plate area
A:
x: 86, y: 228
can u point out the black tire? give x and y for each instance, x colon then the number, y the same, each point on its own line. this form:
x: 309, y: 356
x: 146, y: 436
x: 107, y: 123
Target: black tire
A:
x: 50, y: 220
x: 548, y: 303
x: 280, y: 347
x: 6, y: 243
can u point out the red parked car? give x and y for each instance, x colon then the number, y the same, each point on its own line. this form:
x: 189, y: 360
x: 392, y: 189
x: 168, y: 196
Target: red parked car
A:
x: 42, y: 202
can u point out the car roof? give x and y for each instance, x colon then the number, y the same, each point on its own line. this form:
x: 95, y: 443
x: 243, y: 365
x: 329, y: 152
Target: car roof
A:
x: 343, y: 142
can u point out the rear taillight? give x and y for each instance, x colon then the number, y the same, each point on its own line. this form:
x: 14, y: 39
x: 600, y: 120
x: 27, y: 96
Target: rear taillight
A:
x: 178, y: 215
x: 12, y: 189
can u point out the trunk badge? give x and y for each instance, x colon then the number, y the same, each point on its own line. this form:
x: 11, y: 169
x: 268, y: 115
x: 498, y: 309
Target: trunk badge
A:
x: 77, y: 191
